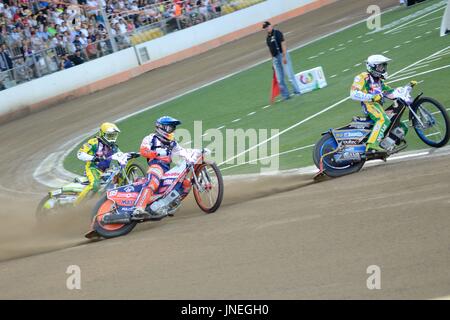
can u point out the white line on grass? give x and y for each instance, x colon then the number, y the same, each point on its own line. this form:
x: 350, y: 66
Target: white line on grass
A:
x: 407, y: 73
x: 418, y: 37
x: 417, y: 67
x: 433, y: 60
x: 432, y: 134
x: 251, y: 113
x: 408, y: 41
x: 358, y: 64
x: 397, y: 46
x: 340, y: 49
x: 236, y: 120
x: 265, y: 107
x: 268, y: 157
x: 414, y: 20
x: 221, y: 127
x: 419, y: 74
x: 333, y: 76
x: 367, y: 41
x: 384, y: 52
x: 420, y: 61
x: 345, y: 70
x: 442, y: 55
x: 397, y: 32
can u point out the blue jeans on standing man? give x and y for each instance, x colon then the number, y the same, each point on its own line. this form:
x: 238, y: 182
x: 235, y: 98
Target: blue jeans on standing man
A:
x: 283, y: 70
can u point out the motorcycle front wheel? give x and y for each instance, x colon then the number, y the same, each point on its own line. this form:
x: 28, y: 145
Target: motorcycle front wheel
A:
x: 432, y: 122
x: 135, y: 171
x: 210, y: 194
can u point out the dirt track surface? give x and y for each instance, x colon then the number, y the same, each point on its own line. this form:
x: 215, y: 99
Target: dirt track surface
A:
x: 275, y: 237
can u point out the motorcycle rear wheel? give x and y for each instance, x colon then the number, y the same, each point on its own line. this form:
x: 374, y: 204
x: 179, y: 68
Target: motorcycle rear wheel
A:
x: 104, y: 206
x: 332, y: 169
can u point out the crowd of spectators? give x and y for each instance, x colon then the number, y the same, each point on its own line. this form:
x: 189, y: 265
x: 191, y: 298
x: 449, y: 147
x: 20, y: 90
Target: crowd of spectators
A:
x: 40, y: 37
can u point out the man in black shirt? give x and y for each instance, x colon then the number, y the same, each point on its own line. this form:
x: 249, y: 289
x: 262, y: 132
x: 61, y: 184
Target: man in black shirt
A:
x: 281, y: 60
x: 76, y: 58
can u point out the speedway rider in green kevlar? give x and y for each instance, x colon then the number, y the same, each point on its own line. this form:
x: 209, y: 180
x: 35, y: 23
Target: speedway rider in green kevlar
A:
x: 369, y: 88
x: 97, y: 153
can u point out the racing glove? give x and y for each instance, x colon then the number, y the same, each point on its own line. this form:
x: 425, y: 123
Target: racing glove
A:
x: 377, y: 98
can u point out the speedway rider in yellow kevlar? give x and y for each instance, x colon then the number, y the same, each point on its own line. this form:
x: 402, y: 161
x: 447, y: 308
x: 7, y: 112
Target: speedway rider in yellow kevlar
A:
x: 369, y: 88
x: 97, y: 153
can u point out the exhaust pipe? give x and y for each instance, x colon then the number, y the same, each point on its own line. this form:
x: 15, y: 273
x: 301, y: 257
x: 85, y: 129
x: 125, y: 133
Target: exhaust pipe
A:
x: 116, y: 219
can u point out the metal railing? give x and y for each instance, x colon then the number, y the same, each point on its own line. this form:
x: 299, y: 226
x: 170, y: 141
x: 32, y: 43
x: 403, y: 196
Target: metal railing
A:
x: 29, y: 66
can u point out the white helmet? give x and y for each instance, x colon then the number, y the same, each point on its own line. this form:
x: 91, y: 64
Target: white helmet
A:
x: 377, y: 66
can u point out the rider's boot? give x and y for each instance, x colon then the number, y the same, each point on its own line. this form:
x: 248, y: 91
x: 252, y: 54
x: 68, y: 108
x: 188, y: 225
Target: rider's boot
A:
x: 144, y: 198
x: 140, y: 213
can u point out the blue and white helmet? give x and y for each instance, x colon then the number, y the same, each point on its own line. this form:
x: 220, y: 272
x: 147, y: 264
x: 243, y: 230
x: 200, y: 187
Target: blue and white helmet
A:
x: 165, y: 128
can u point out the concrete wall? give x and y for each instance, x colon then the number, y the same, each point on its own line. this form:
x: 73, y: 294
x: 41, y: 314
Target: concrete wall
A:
x: 124, y: 65
x: 55, y: 84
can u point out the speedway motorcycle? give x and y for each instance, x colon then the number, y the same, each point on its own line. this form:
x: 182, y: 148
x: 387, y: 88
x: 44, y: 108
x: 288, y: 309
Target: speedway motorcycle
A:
x: 342, y: 151
x: 112, y: 216
x: 122, y: 171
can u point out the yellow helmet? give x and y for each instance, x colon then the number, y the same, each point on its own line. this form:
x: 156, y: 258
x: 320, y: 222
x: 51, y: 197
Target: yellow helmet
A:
x: 109, y: 132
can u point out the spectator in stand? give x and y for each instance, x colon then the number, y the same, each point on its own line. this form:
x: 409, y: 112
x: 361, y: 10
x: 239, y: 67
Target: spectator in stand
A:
x: 59, y: 45
x: 77, y: 43
x: 91, y: 50
x: 51, y: 29
x: 66, y: 63
x: 218, y: 7
x: 5, y: 58
x: 77, y: 59
x: 92, y: 6
x: 37, y: 43
x: 63, y: 27
x: 31, y: 27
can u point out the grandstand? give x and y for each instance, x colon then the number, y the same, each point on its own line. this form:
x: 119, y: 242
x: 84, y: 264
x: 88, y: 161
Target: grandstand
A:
x: 42, y: 37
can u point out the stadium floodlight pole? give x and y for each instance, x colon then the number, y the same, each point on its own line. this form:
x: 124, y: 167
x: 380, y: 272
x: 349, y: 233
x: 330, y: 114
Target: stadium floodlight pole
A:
x: 107, y: 26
